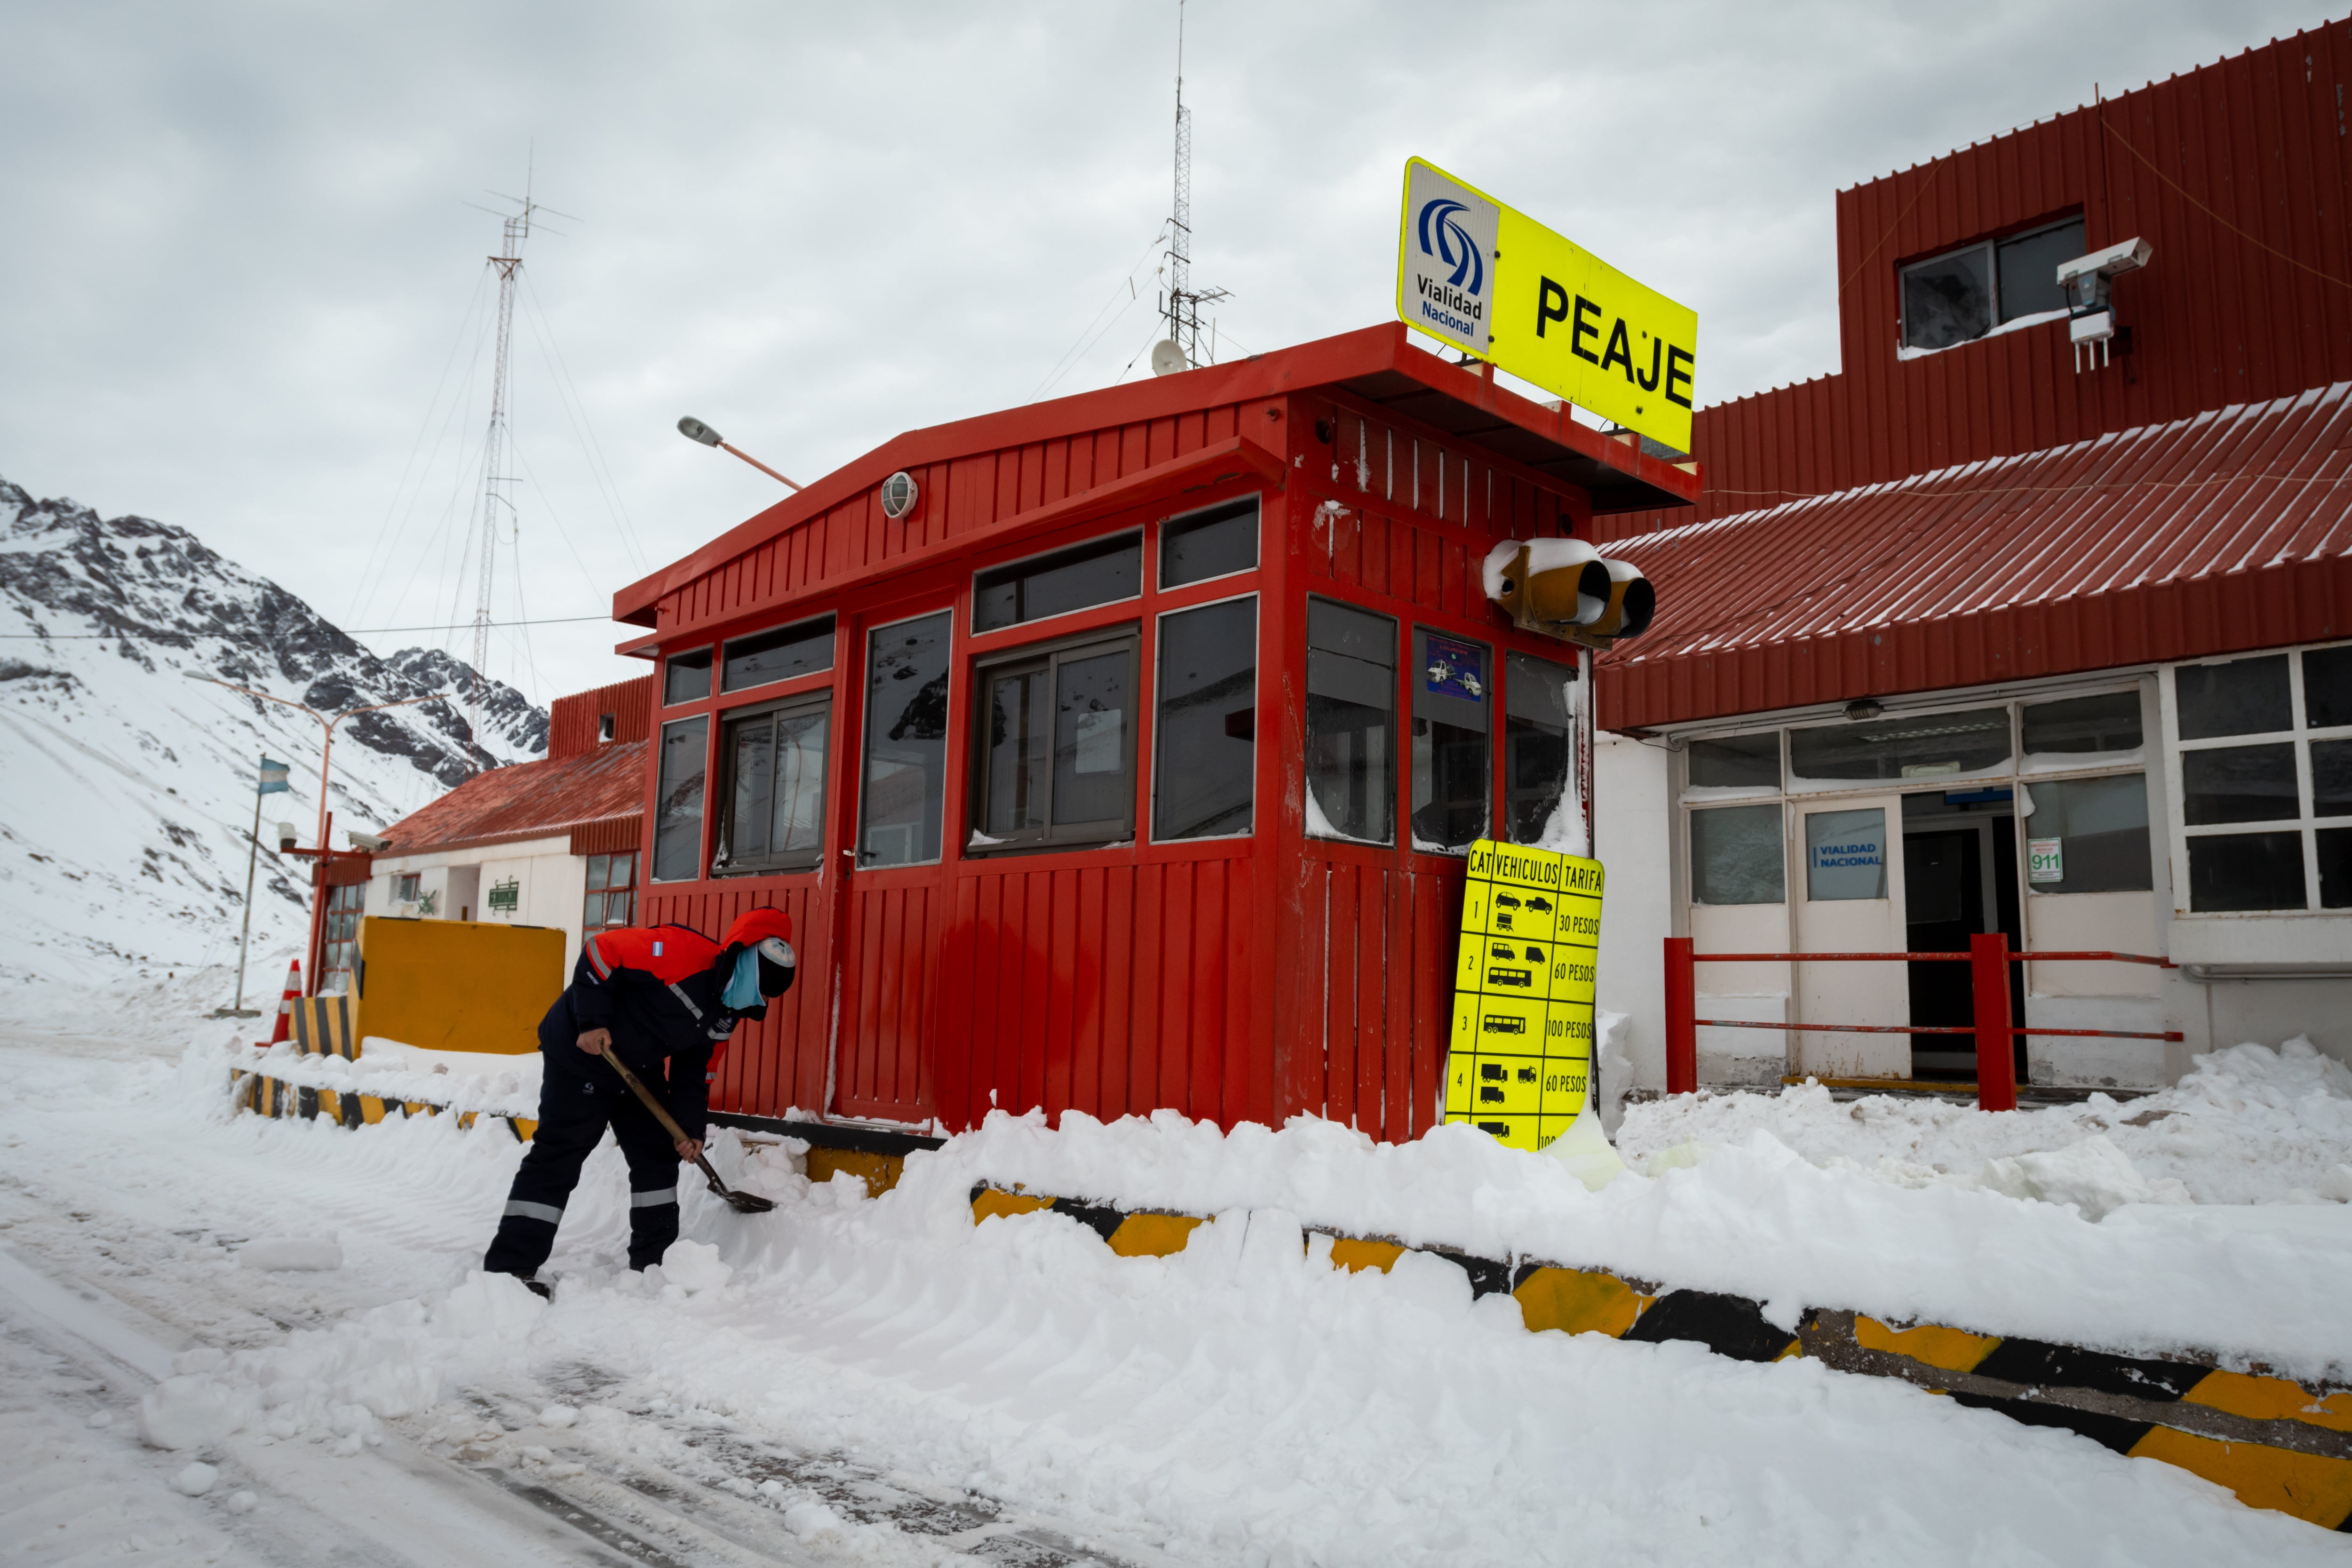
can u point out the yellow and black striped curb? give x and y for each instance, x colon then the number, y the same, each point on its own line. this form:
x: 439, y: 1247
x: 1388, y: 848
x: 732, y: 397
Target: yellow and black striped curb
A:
x: 2277, y: 1443
x: 267, y: 1096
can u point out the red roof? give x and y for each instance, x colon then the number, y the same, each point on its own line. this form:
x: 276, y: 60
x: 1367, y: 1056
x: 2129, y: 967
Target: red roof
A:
x: 530, y: 800
x: 2210, y: 534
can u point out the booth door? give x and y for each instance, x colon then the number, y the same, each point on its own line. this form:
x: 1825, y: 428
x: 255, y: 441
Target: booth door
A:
x: 1849, y: 899
x: 895, y: 887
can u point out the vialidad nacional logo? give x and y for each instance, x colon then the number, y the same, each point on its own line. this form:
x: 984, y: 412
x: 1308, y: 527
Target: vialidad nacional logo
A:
x: 1446, y: 282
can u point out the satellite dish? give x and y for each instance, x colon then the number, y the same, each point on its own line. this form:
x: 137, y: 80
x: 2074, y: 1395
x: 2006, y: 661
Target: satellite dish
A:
x: 1167, y: 359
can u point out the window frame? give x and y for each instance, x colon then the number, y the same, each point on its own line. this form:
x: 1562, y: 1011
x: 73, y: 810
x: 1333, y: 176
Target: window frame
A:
x: 719, y: 687
x: 1990, y: 245
x: 1400, y: 719
x: 1052, y: 654
x: 590, y: 928
x: 1413, y: 655
x: 1159, y: 544
x: 671, y: 656
x: 1258, y: 694
x: 2301, y: 735
x: 1099, y: 541
x: 819, y: 699
x: 859, y: 759
x: 701, y: 857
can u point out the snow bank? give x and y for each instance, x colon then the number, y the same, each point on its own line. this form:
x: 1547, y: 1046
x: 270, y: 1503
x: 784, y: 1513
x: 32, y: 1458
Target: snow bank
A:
x: 2250, y: 1125
x: 1756, y: 1219
x: 494, y: 1084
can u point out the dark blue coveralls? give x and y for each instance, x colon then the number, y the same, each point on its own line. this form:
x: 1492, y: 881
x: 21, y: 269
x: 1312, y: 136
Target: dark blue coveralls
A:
x: 656, y: 991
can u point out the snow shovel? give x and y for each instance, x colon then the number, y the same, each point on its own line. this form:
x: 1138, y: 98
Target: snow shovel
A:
x: 741, y: 1203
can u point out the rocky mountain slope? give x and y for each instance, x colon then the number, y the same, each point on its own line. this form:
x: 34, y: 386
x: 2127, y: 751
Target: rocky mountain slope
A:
x: 126, y: 787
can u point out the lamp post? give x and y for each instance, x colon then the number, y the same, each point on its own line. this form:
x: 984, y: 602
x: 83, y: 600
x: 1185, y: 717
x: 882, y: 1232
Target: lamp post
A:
x: 326, y: 760
x: 693, y: 429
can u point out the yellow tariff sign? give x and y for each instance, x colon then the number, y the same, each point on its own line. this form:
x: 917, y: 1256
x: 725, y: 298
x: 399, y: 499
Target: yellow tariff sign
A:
x: 1496, y: 283
x: 1520, y: 1063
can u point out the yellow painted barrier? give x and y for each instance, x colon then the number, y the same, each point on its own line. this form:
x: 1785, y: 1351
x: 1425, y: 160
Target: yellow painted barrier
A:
x: 459, y: 985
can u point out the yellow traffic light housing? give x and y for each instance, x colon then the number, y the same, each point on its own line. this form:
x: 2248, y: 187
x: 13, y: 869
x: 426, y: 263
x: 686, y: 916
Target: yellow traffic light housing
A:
x: 1564, y: 588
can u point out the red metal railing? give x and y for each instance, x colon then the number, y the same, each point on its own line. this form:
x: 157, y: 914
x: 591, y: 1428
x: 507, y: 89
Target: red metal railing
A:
x: 1988, y: 957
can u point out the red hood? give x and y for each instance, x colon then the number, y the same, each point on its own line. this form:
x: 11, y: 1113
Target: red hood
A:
x: 754, y: 926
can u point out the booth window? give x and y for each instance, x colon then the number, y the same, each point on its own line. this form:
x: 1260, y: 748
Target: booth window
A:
x: 905, y: 742
x: 2088, y: 836
x: 1216, y: 541
x: 1096, y: 572
x: 2266, y: 781
x: 1350, y: 723
x: 1056, y: 746
x: 1453, y: 692
x: 612, y: 891
x: 1914, y: 746
x: 774, y: 815
x: 2075, y: 731
x: 677, y: 800
x: 1206, y: 741
x: 404, y: 888
x: 686, y: 678
x: 1737, y: 761
x: 1539, y: 731
x: 1966, y: 293
x: 780, y: 655
x: 1735, y: 855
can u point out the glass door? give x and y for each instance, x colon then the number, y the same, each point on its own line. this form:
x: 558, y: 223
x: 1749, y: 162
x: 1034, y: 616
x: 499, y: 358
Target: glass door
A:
x: 1849, y: 899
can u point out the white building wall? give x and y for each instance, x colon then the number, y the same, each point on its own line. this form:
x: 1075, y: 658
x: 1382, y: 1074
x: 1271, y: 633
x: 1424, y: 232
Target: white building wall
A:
x: 1633, y: 812
x: 551, y: 885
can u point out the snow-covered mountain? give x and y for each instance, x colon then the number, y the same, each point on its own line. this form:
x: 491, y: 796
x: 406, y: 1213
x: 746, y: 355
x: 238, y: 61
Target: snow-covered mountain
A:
x: 127, y: 788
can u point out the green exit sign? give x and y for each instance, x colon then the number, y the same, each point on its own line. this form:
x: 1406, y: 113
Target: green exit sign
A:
x: 506, y: 895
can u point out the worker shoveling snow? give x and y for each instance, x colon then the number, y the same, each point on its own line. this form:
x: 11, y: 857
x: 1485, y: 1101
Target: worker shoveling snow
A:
x: 1239, y: 1402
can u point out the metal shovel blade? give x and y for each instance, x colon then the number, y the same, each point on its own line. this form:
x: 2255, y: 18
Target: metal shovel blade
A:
x: 741, y: 1203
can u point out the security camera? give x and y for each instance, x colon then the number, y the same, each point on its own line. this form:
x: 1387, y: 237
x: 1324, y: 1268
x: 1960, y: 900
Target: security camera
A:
x: 285, y: 836
x: 2088, y: 284
x: 375, y: 844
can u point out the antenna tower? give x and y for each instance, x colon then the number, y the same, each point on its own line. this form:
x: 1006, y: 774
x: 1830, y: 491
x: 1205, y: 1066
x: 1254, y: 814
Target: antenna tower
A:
x: 1182, y: 305
x: 495, y: 503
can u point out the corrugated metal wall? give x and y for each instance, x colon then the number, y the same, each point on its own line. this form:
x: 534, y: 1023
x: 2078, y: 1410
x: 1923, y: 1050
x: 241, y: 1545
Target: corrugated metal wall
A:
x: 2239, y: 173
x: 573, y: 721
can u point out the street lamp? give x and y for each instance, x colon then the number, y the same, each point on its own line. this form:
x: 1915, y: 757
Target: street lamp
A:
x: 693, y: 429
x: 326, y: 758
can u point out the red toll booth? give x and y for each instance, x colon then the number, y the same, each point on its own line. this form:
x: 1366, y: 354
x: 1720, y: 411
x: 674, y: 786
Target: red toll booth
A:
x: 1121, y: 752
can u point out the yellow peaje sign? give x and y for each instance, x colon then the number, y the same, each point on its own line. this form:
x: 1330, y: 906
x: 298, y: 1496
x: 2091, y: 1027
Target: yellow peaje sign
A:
x: 1520, y: 1064
x: 1496, y: 283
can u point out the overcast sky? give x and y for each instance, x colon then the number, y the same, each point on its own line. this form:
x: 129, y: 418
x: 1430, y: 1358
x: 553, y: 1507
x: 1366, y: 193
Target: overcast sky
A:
x: 242, y: 290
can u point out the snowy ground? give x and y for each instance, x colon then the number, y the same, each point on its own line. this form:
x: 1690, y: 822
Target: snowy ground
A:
x: 879, y: 1381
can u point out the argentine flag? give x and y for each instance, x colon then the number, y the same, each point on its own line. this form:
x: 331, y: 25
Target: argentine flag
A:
x: 273, y: 778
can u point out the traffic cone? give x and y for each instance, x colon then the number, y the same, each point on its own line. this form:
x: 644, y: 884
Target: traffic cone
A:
x: 286, y: 1003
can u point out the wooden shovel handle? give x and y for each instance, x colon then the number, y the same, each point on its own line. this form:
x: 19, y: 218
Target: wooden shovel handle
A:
x: 661, y: 1113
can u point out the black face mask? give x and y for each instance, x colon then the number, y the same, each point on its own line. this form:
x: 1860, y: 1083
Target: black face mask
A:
x: 775, y: 979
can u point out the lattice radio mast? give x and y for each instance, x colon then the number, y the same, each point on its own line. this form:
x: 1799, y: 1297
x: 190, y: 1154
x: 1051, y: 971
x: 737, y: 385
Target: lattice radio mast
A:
x: 1181, y: 304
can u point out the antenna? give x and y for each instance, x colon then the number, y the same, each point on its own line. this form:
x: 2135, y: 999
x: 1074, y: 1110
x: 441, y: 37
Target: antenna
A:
x: 1182, y: 305
x: 495, y: 503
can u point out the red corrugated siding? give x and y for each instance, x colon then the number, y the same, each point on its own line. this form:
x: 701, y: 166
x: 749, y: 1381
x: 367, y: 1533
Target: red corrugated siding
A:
x: 2216, y: 319
x: 779, y: 1063
x: 2215, y: 534
x: 573, y: 721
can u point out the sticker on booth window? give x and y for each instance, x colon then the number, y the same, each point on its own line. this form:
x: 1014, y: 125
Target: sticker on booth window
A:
x: 2045, y: 859
x: 1453, y: 669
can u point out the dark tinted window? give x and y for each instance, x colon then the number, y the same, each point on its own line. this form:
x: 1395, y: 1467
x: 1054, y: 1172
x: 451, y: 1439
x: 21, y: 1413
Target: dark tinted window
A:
x: 1453, y: 694
x: 2029, y: 269
x: 1928, y: 745
x: 2107, y: 723
x: 686, y: 678
x: 2239, y: 783
x: 1947, y: 300
x: 677, y: 802
x: 1735, y: 855
x: 905, y: 742
x: 1737, y: 762
x: 773, y: 814
x: 2246, y: 871
x: 779, y: 654
x: 1204, y: 745
x: 2244, y: 697
x: 2327, y: 687
x: 1214, y: 543
x: 2331, y: 778
x: 2089, y: 836
x: 1096, y: 572
x: 1538, y: 730
x: 2335, y: 867
x: 1057, y: 747
x: 1350, y: 723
